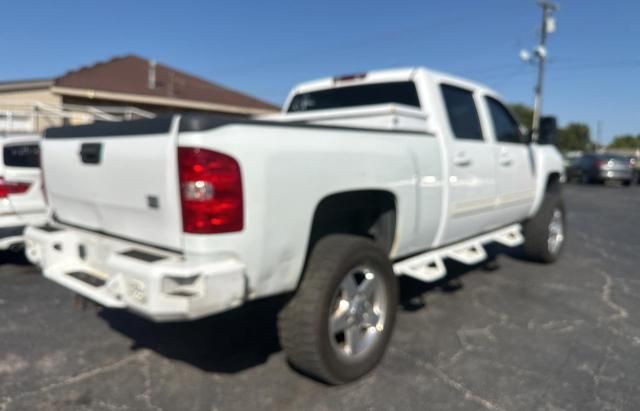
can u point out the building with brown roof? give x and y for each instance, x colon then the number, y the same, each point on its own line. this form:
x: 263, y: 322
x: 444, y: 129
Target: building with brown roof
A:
x: 128, y: 84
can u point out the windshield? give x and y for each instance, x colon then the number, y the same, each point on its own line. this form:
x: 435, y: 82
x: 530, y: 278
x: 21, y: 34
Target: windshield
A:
x: 399, y: 92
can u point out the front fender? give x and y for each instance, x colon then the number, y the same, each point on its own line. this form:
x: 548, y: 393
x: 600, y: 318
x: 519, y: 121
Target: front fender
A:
x: 548, y: 161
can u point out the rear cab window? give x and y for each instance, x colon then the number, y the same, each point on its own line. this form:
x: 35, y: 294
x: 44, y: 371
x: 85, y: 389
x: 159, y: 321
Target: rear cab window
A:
x: 462, y: 113
x: 22, y: 155
x: 402, y: 92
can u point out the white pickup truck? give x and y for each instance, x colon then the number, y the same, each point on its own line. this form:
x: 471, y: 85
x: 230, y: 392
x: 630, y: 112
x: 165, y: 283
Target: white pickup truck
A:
x: 360, y: 179
x: 21, y: 198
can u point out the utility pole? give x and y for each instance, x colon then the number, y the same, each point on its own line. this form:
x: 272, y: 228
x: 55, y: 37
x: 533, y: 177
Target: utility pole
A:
x: 548, y: 26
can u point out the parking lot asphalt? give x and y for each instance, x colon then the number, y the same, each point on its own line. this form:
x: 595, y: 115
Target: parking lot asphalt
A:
x: 510, y: 335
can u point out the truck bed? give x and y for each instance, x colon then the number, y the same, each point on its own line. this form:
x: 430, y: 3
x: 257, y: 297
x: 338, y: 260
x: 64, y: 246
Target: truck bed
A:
x: 132, y: 190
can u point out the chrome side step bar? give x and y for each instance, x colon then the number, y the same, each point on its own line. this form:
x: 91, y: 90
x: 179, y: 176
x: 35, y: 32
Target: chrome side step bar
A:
x: 429, y: 266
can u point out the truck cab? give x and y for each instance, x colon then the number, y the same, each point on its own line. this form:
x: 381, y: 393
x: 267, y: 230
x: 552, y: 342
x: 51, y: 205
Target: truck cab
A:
x: 492, y: 173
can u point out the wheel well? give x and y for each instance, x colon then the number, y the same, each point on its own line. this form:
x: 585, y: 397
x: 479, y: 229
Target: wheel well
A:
x: 553, y: 182
x: 367, y: 213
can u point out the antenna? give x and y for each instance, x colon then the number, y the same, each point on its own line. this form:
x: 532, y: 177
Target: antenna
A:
x: 151, y: 78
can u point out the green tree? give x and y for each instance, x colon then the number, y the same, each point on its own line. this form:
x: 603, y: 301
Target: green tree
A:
x: 523, y: 113
x: 574, y: 137
x: 626, y: 141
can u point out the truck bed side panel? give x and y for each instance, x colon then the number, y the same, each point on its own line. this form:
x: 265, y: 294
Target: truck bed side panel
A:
x: 288, y: 170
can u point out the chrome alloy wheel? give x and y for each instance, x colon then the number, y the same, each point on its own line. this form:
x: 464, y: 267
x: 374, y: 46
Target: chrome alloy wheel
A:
x: 357, y: 314
x: 556, y: 232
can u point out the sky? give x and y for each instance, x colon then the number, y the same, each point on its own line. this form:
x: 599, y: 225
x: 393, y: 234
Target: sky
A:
x: 265, y: 47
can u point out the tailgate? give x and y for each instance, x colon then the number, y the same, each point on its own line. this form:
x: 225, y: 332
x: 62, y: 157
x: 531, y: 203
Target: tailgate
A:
x: 117, y: 178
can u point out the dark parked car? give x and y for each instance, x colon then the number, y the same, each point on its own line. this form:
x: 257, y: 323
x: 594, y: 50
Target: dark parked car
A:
x: 599, y: 168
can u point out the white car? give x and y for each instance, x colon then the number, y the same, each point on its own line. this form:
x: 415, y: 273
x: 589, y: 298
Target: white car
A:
x: 360, y: 179
x: 21, y: 198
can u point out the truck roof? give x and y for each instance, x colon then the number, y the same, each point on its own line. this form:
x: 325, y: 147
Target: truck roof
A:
x: 381, y: 76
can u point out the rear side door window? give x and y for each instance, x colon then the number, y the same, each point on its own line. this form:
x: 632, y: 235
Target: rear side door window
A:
x: 462, y: 113
x: 505, y: 126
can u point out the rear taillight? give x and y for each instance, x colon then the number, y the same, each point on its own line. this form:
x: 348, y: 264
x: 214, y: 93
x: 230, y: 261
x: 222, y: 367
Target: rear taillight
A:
x: 210, y: 191
x: 10, y: 187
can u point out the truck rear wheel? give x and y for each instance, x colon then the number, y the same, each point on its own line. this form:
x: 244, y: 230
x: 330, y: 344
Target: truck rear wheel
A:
x: 338, y: 325
x: 545, y: 232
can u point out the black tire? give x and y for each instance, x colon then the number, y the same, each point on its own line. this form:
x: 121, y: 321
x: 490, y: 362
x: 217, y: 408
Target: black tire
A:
x: 537, y: 229
x: 303, y: 324
x: 626, y: 183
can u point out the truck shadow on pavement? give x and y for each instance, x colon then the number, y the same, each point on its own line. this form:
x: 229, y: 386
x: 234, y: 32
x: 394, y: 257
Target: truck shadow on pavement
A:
x: 228, y: 342
x: 246, y: 337
x: 15, y: 257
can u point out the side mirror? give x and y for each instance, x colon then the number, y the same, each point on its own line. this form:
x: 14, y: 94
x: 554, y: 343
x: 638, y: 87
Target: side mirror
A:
x: 548, y: 130
x: 526, y: 134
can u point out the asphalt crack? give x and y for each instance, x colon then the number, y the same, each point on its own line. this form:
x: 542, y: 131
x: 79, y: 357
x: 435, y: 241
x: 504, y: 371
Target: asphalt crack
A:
x: 468, y: 394
x: 598, y: 376
x: 620, y: 313
x: 147, y: 394
x: 5, y: 402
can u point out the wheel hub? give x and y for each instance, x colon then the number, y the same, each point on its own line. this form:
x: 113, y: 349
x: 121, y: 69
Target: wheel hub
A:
x: 358, y: 313
x: 556, y: 232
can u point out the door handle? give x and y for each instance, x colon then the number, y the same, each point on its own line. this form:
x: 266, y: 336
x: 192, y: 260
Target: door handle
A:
x: 462, y: 160
x: 505, y: 159
x: 91, y: 153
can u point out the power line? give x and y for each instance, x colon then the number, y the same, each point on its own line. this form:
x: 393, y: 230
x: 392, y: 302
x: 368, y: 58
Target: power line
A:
x: 599, y: 65
x: 374, y: 40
